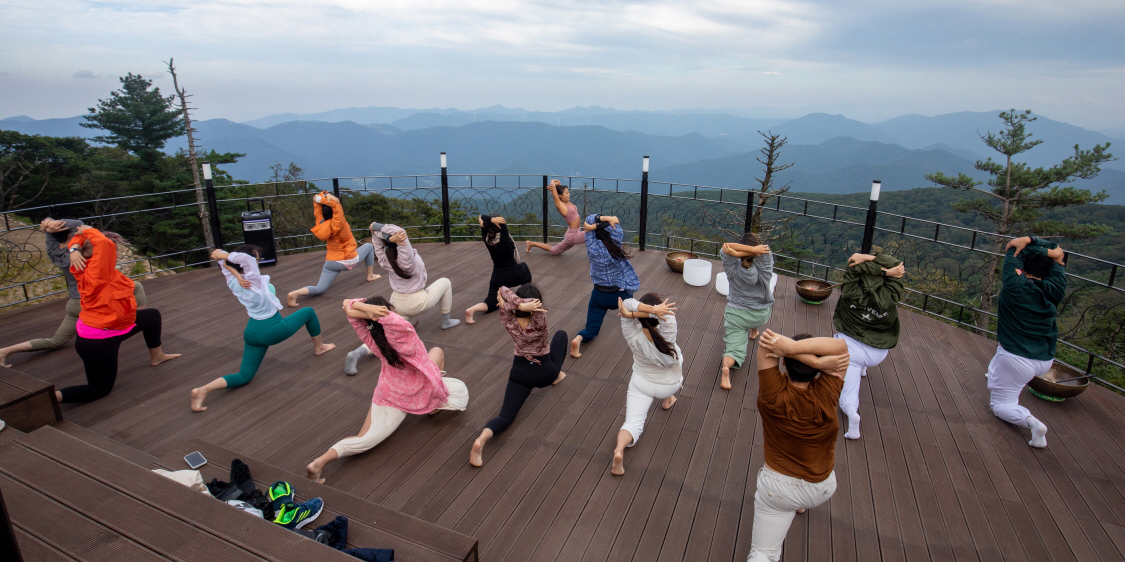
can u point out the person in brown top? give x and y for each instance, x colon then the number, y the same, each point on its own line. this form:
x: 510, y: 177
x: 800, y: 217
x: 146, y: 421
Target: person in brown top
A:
x: 799, y: 427
x: 536, y: 364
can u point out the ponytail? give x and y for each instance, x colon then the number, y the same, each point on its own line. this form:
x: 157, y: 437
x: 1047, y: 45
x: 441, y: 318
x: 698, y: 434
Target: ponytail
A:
x: 615, y: 251
x: 390, y: 354
x: 392, y: 256
x: 651, y: 323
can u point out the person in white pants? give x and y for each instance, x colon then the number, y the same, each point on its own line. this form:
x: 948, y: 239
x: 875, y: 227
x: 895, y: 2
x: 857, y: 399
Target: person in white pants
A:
x: 799, y: 430
x: 649, y: 327
x: 866, y: 316
x: 1034, y: 283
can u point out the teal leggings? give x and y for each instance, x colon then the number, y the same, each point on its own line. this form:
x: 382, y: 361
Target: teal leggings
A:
x: 261, y: 334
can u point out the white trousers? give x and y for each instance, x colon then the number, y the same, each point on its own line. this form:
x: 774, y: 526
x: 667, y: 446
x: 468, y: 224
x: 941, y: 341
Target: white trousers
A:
x: 776, y: 503
x: 386, y: 419
x: 862, y: 357
x: 639, y: 399
x: 413, y: 304
x: 1007, y: 375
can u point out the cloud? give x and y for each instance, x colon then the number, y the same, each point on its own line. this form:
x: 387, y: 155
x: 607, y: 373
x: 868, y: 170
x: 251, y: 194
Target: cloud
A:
x: 85, y: 74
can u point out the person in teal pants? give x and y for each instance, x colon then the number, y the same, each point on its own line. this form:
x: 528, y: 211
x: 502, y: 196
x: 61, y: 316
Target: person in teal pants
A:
x: 266, y: 326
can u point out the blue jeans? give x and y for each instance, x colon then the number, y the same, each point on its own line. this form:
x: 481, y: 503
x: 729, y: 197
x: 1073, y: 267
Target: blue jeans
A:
x: 600, y: 303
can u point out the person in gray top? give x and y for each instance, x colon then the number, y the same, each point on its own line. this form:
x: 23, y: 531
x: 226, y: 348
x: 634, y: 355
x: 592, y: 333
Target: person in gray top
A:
x: 749, y: 268
x: 58, y: 232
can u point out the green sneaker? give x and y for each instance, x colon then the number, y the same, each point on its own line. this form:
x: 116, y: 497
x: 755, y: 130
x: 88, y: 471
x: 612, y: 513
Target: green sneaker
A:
x: 295, y: 516
x: 281, y: 492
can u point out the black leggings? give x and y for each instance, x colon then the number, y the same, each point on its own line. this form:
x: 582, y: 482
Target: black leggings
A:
x: 525, y: 376
x: 100, y: 358
x: 511, y: 277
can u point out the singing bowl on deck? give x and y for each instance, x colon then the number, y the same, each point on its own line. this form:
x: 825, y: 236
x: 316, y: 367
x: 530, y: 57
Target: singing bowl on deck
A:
x: 1045, y: 384
x: 678, y: 265
x: 813, y: 291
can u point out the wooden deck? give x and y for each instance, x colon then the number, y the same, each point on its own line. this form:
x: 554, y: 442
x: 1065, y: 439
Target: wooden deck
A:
x: 935, y: 477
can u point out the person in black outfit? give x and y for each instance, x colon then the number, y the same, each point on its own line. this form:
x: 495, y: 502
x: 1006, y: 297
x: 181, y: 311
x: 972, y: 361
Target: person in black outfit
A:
x: 507, y: 270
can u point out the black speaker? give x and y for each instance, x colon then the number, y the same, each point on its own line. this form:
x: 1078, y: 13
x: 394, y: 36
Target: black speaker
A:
x: 257, y: 229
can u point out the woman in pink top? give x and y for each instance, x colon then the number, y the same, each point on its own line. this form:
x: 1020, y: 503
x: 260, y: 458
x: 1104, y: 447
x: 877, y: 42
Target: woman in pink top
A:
x: 574, y: 234
x: 535, y: 365
x: 410, y: 381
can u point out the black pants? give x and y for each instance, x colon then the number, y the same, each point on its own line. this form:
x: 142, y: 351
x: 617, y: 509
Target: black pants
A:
x: 511, y: 277
x: 100, y: 358
x: 525, y: 376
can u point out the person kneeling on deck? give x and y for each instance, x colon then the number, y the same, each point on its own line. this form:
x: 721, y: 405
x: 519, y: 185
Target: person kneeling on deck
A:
x: 799, y: 428
x: 1034, y: 282
x: 867, y: 319
x: 749, y: 269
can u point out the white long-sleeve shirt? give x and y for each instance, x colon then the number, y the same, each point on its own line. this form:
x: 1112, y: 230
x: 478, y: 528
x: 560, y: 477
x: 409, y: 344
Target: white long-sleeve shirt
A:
x: 259, y: 300
x: 648, y: 362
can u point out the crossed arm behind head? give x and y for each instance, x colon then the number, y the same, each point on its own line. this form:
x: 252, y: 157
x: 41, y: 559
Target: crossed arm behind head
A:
x: 828, y: 355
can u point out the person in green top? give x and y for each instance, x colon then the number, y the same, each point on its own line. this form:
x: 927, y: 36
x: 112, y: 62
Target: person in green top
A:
x: 867, y: 319
x: 1034, y: 282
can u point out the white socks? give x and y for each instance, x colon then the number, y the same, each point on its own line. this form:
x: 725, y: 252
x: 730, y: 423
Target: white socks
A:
x: 352, y: 360
x: 853, y: 424
x: 1038, y: 433
x: 447, y: 322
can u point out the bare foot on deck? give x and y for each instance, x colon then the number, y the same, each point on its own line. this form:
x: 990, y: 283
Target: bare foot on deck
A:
x: 469, y: 316
x: 476, y: 454
x: 575, y: 344
x: 324, y: 348
x: 618, y: 466
x: 725, y: 383
x: 802, y: 510
x: 754, y: 334
x: 373, y: 276
x: 529, y: 247
x: 291, y: 299
x: 312, y: 472
x: 562, y: 376
x: 668, y: 402
x: 4, y: 359
x: 197, y: 396
x: 156, y: 360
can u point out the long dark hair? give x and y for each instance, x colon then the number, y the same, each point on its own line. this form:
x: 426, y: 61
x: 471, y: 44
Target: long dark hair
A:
x: 392, y: 256
x: 615, y: 251
x: 390, y: 354
x: 326, y: 212
x: 662, y: 345
x: 248, y: 249
x: 528, y: 291
x: 491, y: 233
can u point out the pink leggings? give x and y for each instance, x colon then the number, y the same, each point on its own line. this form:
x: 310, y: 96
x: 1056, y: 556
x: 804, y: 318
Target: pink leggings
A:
x: 573, y: 237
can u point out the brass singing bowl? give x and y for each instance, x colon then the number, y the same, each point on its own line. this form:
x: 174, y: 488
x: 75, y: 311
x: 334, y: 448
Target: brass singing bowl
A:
x: 1046, y: 383
x: 675, y: 260
x: 814, y: 291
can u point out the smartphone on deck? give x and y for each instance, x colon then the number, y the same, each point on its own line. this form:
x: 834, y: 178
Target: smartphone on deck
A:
x: 195, y: 460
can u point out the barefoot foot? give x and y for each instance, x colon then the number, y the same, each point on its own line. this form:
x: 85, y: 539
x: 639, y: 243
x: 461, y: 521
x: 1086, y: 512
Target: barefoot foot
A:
x: 324, y: 348
x: 754, y: 334
x: 476, y: 454
x: 575, y: 344
x: 529, y: 246
x: 373, y: 276
x: 562, y: 376
x: 312, y: 472
x: 618, y: 467
x: 802, y: 510
x: 162, y: 358
x: 291, y: 299
x: 725, y: 382
x: 197, y: 396
x: 668, y: 402
x: 469, y: 316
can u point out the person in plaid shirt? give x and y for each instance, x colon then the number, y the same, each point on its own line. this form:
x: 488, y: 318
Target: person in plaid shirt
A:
x: 611, y: 272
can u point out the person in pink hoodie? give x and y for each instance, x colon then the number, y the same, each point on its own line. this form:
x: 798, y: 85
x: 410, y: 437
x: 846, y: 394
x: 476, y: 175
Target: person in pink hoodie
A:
x: 410, y: 381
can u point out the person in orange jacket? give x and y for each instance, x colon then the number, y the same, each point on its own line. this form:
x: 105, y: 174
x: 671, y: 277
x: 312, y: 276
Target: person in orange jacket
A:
x: 333, y: 229
x: 109, y: 314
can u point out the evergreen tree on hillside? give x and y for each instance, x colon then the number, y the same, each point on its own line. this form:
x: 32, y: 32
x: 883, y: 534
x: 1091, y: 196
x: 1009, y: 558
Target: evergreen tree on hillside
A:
x: 1019, y: 193
x: 137, y: 118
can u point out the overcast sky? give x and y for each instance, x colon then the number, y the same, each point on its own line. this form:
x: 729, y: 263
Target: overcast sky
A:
x: 866, y: 59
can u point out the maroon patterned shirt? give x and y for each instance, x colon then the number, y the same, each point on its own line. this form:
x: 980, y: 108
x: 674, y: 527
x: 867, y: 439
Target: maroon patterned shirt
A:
x: 531, y: 341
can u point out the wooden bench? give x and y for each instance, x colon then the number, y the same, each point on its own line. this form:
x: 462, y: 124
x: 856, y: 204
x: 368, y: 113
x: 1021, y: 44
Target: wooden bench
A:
x: 69, y: 500
x: 369, y: 524
x: 27, y: 403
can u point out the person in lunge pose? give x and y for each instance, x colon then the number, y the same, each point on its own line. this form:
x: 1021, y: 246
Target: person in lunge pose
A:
x: 613, y: 275
x: 342, y: 255
x: 507, y: 269
x: 409, y: 293
x: 536, y: 364
x: 749, y: 269
x: 410, y: 380
x: 109, y: 314
x: 649, y: 326
x: 867, y: 319
x: 266, y: 326
x: 1034, y: 282
x: 799, y: 429
x: 58, y: 232
x: 574, y: 234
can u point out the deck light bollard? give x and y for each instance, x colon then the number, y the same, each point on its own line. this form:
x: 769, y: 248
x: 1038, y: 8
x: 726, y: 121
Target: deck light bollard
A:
x: 444, y: 199
x: 644, y: 203
x: 869, y: 226
x: 213, y: 206
x: 545, y: 220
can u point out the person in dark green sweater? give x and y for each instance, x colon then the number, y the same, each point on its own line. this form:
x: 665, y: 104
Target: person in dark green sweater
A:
x: 1034, y: 282
x: 867, y: 319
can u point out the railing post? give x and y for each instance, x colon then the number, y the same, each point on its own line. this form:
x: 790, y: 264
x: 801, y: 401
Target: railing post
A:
x: 213, y: 207
x: 545, y: 220
x: 444, y: 199
x: 869, y: 226
x: 644, y: 204
x: 336, y: 187
x: 746, y: 228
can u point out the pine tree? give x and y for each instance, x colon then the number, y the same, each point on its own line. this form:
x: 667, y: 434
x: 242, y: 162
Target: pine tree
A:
x: 137, y: 117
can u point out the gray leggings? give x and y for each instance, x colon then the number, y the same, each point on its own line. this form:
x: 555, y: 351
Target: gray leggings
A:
x: 332, y: 269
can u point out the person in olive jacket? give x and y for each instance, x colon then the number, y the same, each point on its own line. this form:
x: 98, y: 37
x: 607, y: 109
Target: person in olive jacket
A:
x: 1034, y: 282
x: 867, y: 319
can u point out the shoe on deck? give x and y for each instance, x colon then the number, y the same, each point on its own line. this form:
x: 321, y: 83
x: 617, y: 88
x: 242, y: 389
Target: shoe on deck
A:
x: 295, y: 516
x: 280, y: 493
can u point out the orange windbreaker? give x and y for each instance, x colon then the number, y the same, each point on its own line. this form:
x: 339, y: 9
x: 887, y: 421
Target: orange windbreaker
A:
x: 336, y: 232
x: 107, y: 294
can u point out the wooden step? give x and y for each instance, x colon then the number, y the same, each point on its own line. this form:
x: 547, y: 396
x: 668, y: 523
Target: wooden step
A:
x: 139, y: 458
x: 370, y: 525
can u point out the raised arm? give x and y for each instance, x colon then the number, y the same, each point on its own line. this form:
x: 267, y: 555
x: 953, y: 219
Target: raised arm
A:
x: 877, y: 278
x: 100, y: 266
x: 665, y: 314
x: 828, y: 355
x: 560, y: 206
